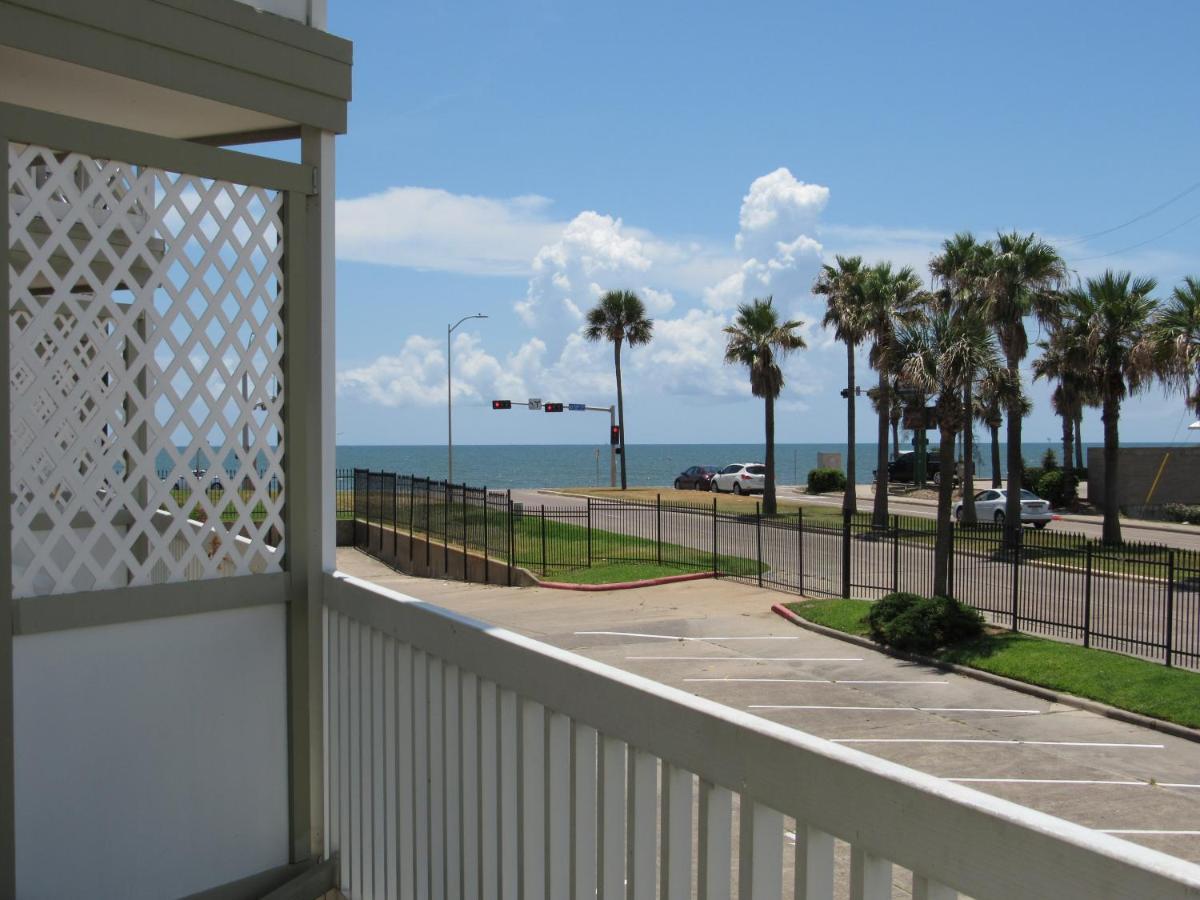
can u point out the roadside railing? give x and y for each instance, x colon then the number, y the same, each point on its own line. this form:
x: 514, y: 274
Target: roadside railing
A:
x: 1139, y: 599
x: 463, y: 760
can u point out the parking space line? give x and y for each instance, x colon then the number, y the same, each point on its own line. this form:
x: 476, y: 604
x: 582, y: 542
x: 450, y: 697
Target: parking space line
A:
x: 680, y: 637
x: 1069, y: 781
x: 1143, y: 831
x: 996, y: 741
x: 812, y: 680
x: 1027, y: 712
x: 751, y: 658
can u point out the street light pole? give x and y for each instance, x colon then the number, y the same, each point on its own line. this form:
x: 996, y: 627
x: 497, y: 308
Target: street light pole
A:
x: 450, y: 399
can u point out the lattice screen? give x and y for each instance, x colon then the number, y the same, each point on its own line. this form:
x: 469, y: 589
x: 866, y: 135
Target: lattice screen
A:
x: 146, y: 374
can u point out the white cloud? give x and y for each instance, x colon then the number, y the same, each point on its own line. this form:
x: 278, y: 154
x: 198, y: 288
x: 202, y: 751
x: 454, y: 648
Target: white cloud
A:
x: 429, y: 228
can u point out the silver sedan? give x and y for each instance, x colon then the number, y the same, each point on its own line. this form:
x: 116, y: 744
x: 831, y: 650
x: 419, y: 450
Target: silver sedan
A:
x: 989, y: 507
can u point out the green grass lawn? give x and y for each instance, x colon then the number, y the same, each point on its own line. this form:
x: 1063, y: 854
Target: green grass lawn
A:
x: 1123, y: 681
x: 617, y: 572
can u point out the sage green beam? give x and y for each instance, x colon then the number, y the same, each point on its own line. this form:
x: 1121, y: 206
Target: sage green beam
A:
x: 33, y: 126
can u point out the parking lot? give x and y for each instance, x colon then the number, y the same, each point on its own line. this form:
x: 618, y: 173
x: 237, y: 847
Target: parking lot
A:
x: 719, y: 640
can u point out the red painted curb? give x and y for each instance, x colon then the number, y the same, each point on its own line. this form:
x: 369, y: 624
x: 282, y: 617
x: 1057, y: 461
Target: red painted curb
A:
x: 625, y: 585
x: 780, y: 610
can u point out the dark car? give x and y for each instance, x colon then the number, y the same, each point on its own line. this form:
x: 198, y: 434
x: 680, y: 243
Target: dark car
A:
x: 903, y: 469
x: 697, y: 478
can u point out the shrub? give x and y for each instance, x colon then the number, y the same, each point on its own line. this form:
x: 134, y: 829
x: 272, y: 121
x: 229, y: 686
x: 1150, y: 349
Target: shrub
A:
x: 1030, y: 476
x: 1058, y: 487
x: 1049, y: 460
x: 919, y: 624
x: 1186, y: 513
x: 823, y: 481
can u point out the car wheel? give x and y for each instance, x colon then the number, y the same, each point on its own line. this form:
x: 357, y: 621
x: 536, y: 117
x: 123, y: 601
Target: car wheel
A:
x: 715, y: 487
x: 737, y: 488
x: 937, y: 479
x: 998, y: 518
x: 1039, y: 525
x: 678, y: 485
x: 958, y: 514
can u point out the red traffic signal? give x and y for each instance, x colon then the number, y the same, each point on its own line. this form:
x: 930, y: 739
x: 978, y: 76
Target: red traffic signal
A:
x: 501, y: 404
x: 552, y: 407
x: 614, y: 435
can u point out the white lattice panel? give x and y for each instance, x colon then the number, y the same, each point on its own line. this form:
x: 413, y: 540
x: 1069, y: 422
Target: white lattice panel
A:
x: 146, y: 374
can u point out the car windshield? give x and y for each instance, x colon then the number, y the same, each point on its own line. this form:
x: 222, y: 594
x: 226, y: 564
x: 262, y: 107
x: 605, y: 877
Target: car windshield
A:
x: 1029, y: 495
x: 707, y: 470
x: 756, y: 470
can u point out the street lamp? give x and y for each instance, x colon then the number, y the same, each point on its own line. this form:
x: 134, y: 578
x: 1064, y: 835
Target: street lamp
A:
x: 450, y: 399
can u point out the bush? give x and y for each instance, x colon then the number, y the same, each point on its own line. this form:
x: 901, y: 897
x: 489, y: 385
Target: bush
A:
x: 1058, y: 487
x: 1030, y: 476
x: 1049, y: 460
x: 1185, y: 513
x: 919, y: 624
x: 823, y: 481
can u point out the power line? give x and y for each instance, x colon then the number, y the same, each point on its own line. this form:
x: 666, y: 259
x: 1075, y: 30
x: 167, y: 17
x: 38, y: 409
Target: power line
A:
x: 1151, y: 240
x: 1135, y: 219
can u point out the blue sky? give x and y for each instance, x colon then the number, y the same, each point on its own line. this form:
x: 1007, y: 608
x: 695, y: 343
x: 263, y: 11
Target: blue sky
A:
x: 514, y: 159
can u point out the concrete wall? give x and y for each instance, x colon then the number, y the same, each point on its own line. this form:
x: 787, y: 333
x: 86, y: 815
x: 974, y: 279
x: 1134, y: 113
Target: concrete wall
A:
x: 151, y: 757
x: 1138, y: 467
x: 429, y: 560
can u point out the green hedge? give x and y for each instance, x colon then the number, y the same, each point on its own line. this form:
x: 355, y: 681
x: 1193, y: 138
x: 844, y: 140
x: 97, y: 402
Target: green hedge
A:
x: 919, y: 624
x: 824, y: 481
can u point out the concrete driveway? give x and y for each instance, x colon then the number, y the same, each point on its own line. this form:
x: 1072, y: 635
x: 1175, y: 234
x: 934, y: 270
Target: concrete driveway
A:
x: 719, y: 640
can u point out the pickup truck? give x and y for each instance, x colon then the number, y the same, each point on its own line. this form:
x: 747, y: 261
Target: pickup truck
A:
x: 904, y: 467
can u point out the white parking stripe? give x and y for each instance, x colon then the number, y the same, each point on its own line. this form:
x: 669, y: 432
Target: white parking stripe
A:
x: 1069, y: 781
x: 994, y: 741
x: 680, y: 637
x: 751, y: 658
x: 812, y: 681
x: 1142, y: 831
x: 1028, y: 712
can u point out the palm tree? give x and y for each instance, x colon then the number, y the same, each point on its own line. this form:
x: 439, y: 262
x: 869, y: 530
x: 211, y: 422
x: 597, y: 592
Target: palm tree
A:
x: 841, y: 286
x: 620, y: 317
x: 1116, y: 315
x: 1176, y: 337
x: 942, y: 355
x: 759, y: 341
x: 961, y: 269
x: 891, y: 299
x: 1064, y: 360
x: 1023, y: 279
x: 991, y: 400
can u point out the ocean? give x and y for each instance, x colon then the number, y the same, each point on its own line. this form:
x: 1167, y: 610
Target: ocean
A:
x: 579, y: 465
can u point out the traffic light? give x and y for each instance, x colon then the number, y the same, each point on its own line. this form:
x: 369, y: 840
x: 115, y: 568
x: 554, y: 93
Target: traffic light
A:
x: 614, y: 435
x: 501, y: 404
x: 552, y: 407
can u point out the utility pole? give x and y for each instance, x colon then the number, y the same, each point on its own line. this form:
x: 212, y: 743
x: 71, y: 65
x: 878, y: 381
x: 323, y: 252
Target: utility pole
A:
x: 450, y: 399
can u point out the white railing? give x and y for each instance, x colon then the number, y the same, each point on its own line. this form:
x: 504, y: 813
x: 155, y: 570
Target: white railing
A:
x: 468, y: 761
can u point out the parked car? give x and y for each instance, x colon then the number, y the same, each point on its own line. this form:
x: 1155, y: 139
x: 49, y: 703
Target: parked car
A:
x: 740, y: 478
x: 903, y: 469
x: 989, y: 506
x: 696, y: 478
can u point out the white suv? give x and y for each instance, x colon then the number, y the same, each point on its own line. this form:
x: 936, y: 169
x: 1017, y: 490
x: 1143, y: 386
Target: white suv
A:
x: 740, y: 478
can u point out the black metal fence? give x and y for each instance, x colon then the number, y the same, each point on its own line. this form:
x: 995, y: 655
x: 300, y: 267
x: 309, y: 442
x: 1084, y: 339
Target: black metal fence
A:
x: 1140, y: 599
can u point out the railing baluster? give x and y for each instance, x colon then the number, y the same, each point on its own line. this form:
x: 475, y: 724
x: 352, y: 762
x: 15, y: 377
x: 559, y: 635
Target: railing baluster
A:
x: 558, y: 830
x: 583, y: 823
x: 378, y: 791
x: 404, y: 769
x: 489, y: 793
x: 391, y: 787
x: 715, y: 847
x: 612, y: 819
x: 533, y: 797
x: 453, y: 773
x: 420, y: 682
x: 437, y: 781
x: 470, y: 785
x: 760, y: 855
x: 926, y: 889
x: 345, y: 745
x: 510, y: 822
x: 676, y: 833
x: 643, y: 836
x: 333, y: 678
x: 870, y: 876
x: 814, y: 863
x: 353, y: 866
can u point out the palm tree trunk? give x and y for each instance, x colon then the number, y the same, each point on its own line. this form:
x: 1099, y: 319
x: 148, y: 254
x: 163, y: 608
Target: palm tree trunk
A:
x: 968, y: 483
x: 995, y: 429
x: 850, y: 497
x: 1068, y: 431
x: 621, y: 414
x: 895, y: 437
x: 769, y: 486
x: 1080, y: 462
x: 1012, y: 503
x: 879, y: 514
x: 1111, y: 531
x: 945, y: 532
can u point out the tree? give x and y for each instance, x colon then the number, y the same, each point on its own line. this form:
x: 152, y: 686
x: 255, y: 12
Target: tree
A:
x: 620, y: 317
x: 891, y: 299
x: 841, y: 285
x: 759, y: 341
x: 1116, y: 315
x: 991, y: 400
x: 1023, y: 279
x: 941, y: 356
x: 961, y: 270
x: 1064, y: 361
x: 1176, y: 341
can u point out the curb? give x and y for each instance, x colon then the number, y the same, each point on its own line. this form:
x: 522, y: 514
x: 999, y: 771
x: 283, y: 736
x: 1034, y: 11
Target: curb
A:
x: 625, y: 585
x: 1033, y: 690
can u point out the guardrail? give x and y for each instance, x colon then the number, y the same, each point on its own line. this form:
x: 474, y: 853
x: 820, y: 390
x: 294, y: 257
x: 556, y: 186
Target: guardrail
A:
x: 464, y: 760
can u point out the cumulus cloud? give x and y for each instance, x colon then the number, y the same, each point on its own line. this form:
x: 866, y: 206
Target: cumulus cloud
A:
x: 428, y: 228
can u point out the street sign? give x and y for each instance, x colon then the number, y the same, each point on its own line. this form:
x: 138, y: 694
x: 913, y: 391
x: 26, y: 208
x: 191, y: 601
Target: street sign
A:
x: 577, y: 407
x: 535, y: 403
x: 553, y: 407
x: 920, y: 418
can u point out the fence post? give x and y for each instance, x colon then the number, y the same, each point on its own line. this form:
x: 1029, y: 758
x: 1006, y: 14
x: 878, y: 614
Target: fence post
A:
x: 1087, y: 598
x: 758, y: 541
x: 895, y: 554
x: 1170, y: 603
x: 846, y: 554
x: 589, y: 531
x: 428, y: 530
x: 716, y: 568
x: 950, y: 563
x: 658, y: 525
x: 487, y: 568
x: 354, y: 503
x: 543, y: 540
x: 412, y: 511
x: 466, y: 571
x: 381, y: 473
x: 512, y: 543
x: 800, y: 544
x: 1016, y: 579
x: 395, y: 522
